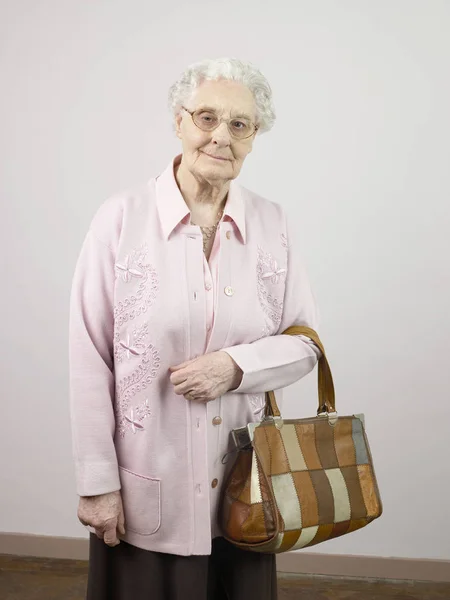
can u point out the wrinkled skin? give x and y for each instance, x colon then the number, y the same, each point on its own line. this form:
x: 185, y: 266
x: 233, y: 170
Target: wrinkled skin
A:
x: 105, y: 514
x: 206, y: 378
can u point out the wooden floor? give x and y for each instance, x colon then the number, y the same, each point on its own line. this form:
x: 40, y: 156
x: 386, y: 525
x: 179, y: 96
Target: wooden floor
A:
x: 48, y: 579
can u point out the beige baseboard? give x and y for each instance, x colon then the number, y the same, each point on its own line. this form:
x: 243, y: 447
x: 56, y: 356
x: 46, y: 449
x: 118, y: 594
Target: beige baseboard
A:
x: 291, y: 562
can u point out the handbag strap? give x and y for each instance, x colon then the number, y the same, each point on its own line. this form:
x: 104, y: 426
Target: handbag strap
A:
x: 325, y: 379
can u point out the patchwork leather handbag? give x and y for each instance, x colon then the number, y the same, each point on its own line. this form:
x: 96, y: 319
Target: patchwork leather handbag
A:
x: 297, y: 483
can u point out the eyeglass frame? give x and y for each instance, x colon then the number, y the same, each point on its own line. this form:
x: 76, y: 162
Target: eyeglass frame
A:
x: 227, y: 121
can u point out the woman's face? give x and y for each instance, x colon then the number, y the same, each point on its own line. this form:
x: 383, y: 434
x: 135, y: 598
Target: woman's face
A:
x: 216, y: 155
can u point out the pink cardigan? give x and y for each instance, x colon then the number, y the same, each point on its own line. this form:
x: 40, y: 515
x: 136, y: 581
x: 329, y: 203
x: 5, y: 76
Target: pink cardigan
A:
x: 141, y: 301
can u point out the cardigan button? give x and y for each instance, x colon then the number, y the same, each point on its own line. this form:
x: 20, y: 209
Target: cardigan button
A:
x: 214, y: 483
x: 229, y: 291
x: 217, y: 421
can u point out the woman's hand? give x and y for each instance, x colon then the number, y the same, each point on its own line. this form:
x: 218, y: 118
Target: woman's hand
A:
x: 105, y: 514
x: 207, y: 377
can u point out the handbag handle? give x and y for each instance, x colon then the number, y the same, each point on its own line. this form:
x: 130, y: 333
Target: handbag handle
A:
x: 325, y: 379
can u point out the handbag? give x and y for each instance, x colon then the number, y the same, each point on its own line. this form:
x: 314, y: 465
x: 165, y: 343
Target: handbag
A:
x: 297, y: 483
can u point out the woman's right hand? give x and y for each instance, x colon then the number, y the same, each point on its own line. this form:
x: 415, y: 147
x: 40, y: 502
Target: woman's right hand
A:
x: 105, y: 514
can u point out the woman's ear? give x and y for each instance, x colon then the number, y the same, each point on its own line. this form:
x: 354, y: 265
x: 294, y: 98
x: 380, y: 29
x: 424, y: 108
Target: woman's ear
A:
x: 178, y: 119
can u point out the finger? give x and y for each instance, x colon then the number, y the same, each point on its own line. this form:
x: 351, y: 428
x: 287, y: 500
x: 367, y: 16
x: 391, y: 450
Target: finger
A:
x: 184, y: 388
x: 121, y: 523
x: 110, y: 536
x: 83, y: 522
x: 182, y: 365
x: 99, y: 533
x: 178, y: 377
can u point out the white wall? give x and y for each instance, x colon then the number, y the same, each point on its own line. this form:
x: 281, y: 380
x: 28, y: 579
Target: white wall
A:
x: 359, y: 156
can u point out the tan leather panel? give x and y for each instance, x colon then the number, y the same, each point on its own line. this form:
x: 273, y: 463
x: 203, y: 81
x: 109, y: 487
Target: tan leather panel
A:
x: 343, y: 442
x: 368, y: 490
x: 278, y: 462
x: 356, y: 524
x: 289, y: 539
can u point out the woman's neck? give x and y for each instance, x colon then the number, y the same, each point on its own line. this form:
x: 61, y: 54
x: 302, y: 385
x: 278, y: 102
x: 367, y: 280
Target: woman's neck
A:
x: 205, y: 200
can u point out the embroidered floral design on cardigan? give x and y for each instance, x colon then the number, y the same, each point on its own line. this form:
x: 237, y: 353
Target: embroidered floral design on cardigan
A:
x: 270, y: 297
x: 134, y: 267
x: 137, y: 415
x: 132, y: 345
x: 130, y: 385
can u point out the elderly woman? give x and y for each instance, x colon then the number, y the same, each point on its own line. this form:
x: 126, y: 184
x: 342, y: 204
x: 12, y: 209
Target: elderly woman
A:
x: 181, y: 291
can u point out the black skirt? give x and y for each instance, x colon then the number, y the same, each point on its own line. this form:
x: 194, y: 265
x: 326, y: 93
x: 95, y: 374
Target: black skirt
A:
x: 229, y: 573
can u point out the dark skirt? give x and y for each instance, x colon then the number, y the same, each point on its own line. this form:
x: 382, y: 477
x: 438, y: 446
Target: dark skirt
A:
x: 229, y: 573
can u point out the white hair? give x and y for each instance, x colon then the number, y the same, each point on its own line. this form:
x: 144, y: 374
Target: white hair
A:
x: 230, y: 69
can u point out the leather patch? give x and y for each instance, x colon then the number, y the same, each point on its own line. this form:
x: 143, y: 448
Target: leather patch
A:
x: 290, y: 538
x: 278, y: 462
x: 343, y: 442
x: 325, y: 444
x: 307, y: 439
x: 368, y: 490
x: 357, y: 504
x: 340, y: 529
x: 324, y: 495
x: 357, y: 524
x: 307, y: 497
x: 323, y: 534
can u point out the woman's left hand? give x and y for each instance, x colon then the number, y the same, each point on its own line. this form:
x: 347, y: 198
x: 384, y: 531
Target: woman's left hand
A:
x: 207, y: 377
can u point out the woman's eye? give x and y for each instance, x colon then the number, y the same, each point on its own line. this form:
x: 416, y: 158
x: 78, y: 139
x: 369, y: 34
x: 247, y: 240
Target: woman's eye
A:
x: 208, y: 118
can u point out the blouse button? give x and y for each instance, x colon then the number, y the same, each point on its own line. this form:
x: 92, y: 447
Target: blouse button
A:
x: 228, y: 235
x: 214, y: 483
x: 229, y: 291
x: 217, y: 421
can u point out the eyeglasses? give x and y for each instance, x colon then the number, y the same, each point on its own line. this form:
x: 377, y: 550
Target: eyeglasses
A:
x: 206, y: 120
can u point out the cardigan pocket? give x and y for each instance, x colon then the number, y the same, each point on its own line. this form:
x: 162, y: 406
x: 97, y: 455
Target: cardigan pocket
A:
x: 141, y: 497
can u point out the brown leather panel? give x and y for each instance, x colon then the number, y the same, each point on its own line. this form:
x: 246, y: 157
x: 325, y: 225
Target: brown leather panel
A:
x: 343, y: 443
x: 289, y: 539
x: 323, y: 533
x: 369, y: 491
x: 307, y: 439
x: 239, y: 513
x: 278, y: 462
x: 325, y: 444
x: 245, y: 494
x: 340, y: 528
x: 239, y: 473
x: 254, y: 528
x: 264, y: 454
x: 324, y: 495
x: 357, y: 524
x: 357, y: 504
x: 269, y: 518
x: 307, y: 498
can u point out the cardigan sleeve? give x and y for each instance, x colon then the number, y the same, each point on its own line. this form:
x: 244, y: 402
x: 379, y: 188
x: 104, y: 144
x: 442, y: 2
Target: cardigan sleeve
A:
x: 91, y: 369
x: 279, y: 360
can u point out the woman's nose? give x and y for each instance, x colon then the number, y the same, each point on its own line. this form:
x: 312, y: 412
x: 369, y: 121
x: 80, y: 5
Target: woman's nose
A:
x: 221, y: 135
